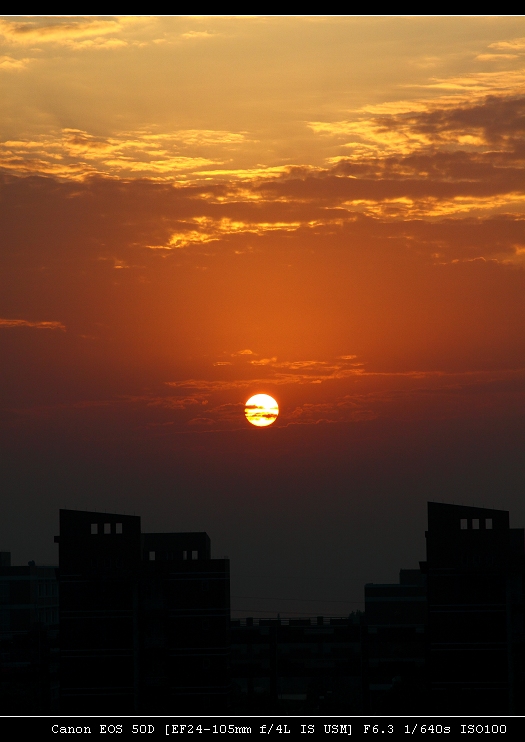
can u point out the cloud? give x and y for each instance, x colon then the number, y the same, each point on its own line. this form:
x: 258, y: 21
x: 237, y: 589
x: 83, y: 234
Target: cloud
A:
x: 28, y: 323
x: 436, y: 158
x: 342, y: 409
x: 203, y: 422
x: 60, y: 31
x: 495, y: 57
x: 208, y: 137
x: 171, y: 403
x: 198, y: 35
x: 478, y: 84
x: 445, y: 157
x: 142, y: 215
x: 495, y: 120
x: 77, y: 154
x: 403, y: 395
x: 404, y: 129
x: 10, y: 64
x: 515, y: 44
x: 264, y: 362
x: 296, y: 372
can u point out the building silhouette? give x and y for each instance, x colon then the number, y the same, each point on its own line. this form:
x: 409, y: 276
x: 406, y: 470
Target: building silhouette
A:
x: 449, y: 638
x: 297, y: 665
x: 475, y: 571
x: 144, y: 618
x: 143, y: 627
x: 395, y: 645
x: 28, y: 638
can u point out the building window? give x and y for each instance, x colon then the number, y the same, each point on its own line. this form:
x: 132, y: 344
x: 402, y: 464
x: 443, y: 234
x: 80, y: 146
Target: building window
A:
x: 463, y: 524
x: 488, y: 523
x: 118, y: 528
x: 475, y: 523
x: 184, y: 554
x: 194, y: 554
x: 152, y: 556
x: 94, y: 529
x: 107, y: 527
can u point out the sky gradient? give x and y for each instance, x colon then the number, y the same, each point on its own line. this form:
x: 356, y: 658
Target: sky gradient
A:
x: 327, y: 210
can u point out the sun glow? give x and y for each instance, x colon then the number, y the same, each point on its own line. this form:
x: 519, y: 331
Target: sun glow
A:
x: 261, y: 410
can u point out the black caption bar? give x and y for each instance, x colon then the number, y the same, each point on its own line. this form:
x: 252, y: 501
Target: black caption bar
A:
x: 155, y: 727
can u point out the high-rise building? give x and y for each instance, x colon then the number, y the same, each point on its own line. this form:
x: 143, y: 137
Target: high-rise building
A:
x: 449, y: 637
x: 144, y: 618
x: 475, y: 571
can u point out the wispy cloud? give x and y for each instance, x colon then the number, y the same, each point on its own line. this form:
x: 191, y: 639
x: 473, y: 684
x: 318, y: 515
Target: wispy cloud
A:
x: 495, y: 57
x: 213, y: 405
x: 28, y: 323
x: 514, y: 44
x: 77, y: 154
x: 279, y: 373
x: 11, y: 64
x: 68, y: 31
x: 198, y: 35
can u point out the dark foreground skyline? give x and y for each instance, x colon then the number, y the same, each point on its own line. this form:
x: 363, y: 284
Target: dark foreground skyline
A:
x: 305, y: 522
x: 139, y: 623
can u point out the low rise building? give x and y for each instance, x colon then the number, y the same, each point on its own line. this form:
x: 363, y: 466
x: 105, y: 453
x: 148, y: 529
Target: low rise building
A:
x: 28, y: 638
x: 297, y: 666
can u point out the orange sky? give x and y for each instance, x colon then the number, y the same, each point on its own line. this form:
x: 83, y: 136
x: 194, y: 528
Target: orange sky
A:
x: 195, y: 210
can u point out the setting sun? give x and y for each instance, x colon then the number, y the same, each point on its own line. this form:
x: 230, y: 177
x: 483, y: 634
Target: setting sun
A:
x: 261, y: 410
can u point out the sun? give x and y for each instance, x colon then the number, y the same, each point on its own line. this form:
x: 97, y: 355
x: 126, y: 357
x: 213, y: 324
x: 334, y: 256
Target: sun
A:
x: 261, y: 410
